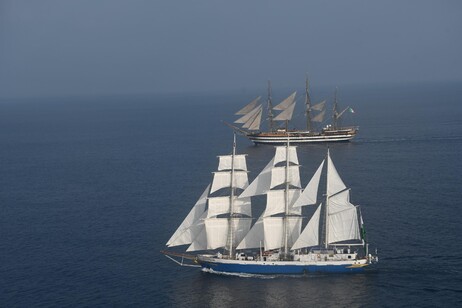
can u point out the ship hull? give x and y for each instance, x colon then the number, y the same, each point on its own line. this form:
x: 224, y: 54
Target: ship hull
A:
x: 302, y: 137
x: 280, y: 267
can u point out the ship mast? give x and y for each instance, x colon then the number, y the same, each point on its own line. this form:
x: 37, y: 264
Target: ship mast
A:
x: 286, y: 216
x: 231, y: 207
x: 270, y: 107
x: 326, y: 211
x: 335, y: 112
x: 308, y: 105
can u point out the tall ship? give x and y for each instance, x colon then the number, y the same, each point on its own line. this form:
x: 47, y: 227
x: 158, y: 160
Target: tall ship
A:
x: 278, y: 124
x: 222, y: 239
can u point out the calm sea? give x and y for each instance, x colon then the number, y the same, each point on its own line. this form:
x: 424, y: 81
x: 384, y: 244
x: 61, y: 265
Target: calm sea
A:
x: 91, y: 189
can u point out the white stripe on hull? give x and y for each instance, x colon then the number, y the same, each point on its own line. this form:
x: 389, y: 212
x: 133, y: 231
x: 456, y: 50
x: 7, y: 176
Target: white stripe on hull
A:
x: 300, y: 139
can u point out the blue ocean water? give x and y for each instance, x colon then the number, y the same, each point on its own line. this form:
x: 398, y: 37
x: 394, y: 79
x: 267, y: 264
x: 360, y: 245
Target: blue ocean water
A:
x: 92, y: 188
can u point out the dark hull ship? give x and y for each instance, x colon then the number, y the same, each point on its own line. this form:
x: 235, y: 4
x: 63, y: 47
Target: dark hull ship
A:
x: 251, y: 116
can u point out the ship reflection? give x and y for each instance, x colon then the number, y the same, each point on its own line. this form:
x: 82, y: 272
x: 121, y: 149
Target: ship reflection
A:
x: 212, y: 290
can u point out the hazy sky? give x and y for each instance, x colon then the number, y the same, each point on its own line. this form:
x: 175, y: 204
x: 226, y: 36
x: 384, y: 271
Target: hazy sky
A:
x: 92, y: 47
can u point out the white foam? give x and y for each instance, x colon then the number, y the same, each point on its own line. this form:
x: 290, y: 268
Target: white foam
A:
x: 243, y: 275
x: 259, y: 276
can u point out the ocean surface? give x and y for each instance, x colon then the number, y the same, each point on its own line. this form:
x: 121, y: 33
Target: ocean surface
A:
x: 91, y: 189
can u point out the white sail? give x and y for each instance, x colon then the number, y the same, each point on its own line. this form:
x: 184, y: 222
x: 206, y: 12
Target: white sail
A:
x: 184, y: 234
x: 319, y: 118
x: 218, y: 206
x: 254, y: 238
x: 222, y: 205
x: 261, y: 184
x: 272, y: 176
x: 241, y: 228
x: 217, y: 231
x: 286, y: 103
x: 274, y: 231
x: 310, y: 235
x: 226, y: 160
x: 278, y: 176
x: 222, y: 179
x: 343, y: 226
x: 189, y: 235
x: 200, y: 241
x: 254, y: 122
x: 286, y: 115
x: 295, y: 227
x: 275, y: 202
x: 310, y: 193
x: 319, y: 107
x: 334, y: 182
x: 342, y: 215
x: 280, y: 155
x: 340, y: 202
x: 249, y: 115
x: 250, y: 106
x: 204, y: 230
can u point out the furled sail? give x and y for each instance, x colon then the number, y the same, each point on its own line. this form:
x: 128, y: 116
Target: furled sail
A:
x: 249, y: 106
x: 222, y: 179
x: 286, y: 103
x: 185, y: 233
x: 225, y: 162
x: 286, y: 115
x: 310, y: 193
x: 310, y: 235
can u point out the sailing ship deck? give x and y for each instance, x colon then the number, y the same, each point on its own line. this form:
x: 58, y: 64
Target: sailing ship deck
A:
x: 280, y: 137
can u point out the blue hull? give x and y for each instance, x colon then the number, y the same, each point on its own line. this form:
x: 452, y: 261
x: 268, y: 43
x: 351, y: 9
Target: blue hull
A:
x: 265, y: 269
